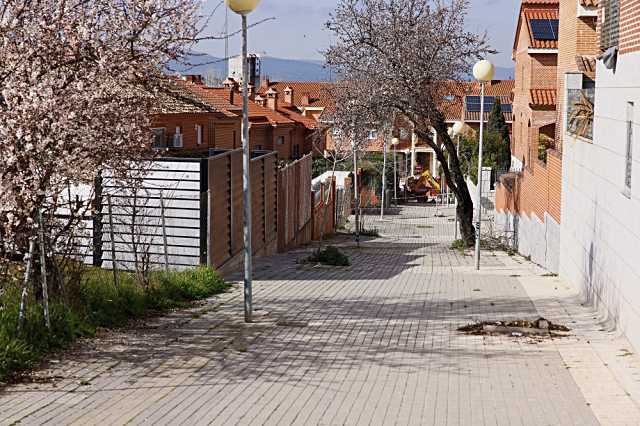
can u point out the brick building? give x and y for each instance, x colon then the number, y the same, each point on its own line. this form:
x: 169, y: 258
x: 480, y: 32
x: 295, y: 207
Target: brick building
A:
x: 201, y: 118
x: 600, y: 230
x: 187, y: 120
x: 528, y: 199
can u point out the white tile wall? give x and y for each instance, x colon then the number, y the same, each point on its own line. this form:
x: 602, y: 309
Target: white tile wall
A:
x: 600, y: 230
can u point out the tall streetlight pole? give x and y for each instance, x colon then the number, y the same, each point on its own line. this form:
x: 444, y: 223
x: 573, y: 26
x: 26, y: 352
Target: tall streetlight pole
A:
x: 483, y: 71
x: 243, y: 8
x: 384, y: 176
x: 395, y: 142
x: 356, y: 190
x: 456, y: 131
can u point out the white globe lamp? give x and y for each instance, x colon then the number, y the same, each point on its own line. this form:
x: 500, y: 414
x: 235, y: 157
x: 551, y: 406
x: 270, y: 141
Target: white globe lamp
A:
x: 457, y: 128
x: 484, y: 71
x: 242, y: 7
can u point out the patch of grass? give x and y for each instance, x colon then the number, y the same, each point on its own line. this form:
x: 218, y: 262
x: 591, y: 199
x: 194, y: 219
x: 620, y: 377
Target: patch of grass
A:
x: 93, y: 302
x: 458, y: 245
x: 331, y: 256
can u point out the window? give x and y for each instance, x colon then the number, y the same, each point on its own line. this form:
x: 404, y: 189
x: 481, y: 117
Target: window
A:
x: 198, y: 134
x: 373, y: 134
x: 159, y: 137
x: 629, y: 151
x: 280, y: 140
x: 177, y: 138
x: 296, y: 151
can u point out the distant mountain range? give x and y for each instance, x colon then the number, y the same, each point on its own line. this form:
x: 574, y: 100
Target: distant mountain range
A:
x: 274, y: 68
x: 278, y: 69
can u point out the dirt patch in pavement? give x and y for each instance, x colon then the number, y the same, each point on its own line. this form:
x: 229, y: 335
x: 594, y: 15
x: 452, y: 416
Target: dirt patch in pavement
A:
x: 517, y: 328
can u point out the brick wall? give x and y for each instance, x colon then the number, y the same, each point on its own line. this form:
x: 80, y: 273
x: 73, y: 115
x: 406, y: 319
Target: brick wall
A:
x: 629, y: 26
x: 543, y: 70
x: 284, y: 149
x: 578, y: 36
x: 534, y: 191
x: 217, y: 132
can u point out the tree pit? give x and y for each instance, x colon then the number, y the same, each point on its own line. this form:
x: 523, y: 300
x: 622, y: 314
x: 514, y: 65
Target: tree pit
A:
x: 517, y: 328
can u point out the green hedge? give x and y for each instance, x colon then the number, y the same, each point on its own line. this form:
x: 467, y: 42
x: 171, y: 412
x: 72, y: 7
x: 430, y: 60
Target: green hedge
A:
x: 94, y: 302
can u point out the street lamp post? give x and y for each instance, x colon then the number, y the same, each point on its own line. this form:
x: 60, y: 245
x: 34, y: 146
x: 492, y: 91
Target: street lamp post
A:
x: 384, y: 176
x: 356, y: 191
x: 456, y: 131
x: 483, y: 71
x: 243, y: 8
x: 395, y: 142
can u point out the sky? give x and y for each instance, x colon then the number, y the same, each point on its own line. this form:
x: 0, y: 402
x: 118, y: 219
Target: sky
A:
x: 298, y: 29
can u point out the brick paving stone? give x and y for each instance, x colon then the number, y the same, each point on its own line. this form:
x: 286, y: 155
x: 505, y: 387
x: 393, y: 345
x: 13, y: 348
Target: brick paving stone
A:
x: 373, y: 343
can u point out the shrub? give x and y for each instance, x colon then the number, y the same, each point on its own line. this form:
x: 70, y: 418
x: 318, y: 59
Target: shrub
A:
x: 458, y: 245
x: 330, y: 256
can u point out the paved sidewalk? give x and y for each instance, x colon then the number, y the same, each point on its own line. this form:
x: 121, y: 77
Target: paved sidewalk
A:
x: 374, y: 343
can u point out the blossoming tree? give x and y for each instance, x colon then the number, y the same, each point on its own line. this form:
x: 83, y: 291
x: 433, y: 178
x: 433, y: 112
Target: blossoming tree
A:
x: 398, y: 52
x: 78, y: 80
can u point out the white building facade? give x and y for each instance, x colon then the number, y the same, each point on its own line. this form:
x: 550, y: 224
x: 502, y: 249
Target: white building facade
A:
x: 600, y: 230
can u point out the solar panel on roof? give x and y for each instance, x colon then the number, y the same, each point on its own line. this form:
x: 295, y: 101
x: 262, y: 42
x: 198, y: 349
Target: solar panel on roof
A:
x: 506, y: 108
x: 473, y: 103
x: 544, y: 29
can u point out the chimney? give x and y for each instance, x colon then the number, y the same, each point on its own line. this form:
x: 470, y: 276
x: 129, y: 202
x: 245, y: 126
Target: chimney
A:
x: 194, y: 78
x: 264, y: 84
x: 230, y: 83
x: 260, y: 100
x: 272, y: 99
x: 288, y: 95
x: 252, y: 91
x: 306, y: 100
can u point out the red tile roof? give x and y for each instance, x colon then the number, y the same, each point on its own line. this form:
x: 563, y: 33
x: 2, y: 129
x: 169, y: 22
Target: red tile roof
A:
x: 220, y: 103
x: 543, y: 97
x: 292, y: 113
x: 177, y: 99
x: 319, y: 93
x: 453, y: 95
x: 257, y: 113
x: 536, y: 9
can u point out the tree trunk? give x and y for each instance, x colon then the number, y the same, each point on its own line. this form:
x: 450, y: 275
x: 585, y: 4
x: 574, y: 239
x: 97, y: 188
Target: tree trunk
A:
x: 456, y: 180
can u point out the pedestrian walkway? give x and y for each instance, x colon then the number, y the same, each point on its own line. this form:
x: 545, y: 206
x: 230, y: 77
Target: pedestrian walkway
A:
x: 374, y: 343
